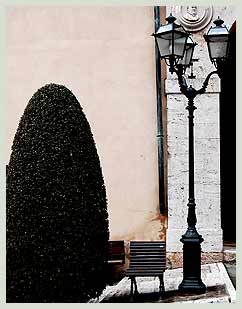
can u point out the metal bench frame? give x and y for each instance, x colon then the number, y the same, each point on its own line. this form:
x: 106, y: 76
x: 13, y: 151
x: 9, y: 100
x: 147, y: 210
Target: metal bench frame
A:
x: 147, y: 259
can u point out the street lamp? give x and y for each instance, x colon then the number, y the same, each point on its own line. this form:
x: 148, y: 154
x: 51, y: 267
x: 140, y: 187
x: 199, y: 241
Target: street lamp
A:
x: 217, y: 40
x: 176, y: 47
x: 171, y: 41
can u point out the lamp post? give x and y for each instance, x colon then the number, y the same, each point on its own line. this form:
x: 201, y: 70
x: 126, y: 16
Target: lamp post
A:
x: 176, y: 47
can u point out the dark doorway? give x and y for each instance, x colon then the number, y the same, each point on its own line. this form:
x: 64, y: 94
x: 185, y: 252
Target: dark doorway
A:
x: 228, y: 143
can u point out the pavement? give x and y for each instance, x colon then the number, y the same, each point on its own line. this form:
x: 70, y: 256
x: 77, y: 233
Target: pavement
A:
x: 220, y: 288
x: 231, y: 269
x: 230, y: 260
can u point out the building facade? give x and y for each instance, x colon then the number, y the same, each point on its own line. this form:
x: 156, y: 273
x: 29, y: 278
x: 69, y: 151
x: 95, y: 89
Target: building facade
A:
x: 106, y: 57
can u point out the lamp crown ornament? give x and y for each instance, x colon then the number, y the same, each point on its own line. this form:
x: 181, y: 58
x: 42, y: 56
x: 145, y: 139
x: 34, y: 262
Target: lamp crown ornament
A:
x: 218, y: 22
x: 170, y: 19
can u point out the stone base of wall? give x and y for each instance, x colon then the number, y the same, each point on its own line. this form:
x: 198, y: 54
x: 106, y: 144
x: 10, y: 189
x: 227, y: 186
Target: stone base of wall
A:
x: 175, y: 259
x: 229, y: 256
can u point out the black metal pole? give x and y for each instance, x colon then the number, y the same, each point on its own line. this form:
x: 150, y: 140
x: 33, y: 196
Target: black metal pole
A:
x: 191, y: 239
x: 159, y: 117
x: 192, y: 282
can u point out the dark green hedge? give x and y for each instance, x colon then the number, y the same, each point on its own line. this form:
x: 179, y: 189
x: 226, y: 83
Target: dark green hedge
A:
x: 57, y: 221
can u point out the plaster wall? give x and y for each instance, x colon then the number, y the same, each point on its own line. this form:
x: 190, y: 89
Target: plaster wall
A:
x: 105, y: 55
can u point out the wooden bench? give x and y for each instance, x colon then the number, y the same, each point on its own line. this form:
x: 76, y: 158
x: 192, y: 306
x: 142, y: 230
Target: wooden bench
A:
x: 147, y: 259
x: 116, y: 252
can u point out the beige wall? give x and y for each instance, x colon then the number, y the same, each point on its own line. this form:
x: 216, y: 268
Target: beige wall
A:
x: 105, y: 56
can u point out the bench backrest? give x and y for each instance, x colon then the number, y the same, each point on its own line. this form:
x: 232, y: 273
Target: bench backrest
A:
x: 147, y: 256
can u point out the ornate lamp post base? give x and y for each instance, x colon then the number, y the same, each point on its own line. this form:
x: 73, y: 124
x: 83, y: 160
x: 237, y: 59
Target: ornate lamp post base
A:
x: 192, y: 285
x: 192, y: 282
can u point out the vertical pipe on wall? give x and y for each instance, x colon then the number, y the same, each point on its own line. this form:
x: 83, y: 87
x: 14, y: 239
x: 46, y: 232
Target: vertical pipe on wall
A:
x: 159, y: 117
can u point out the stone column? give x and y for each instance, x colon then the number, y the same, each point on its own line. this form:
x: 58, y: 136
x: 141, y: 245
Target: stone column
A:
x: 207, y: 169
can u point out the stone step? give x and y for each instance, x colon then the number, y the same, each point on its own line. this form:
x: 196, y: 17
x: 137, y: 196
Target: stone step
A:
x: 229, y: 253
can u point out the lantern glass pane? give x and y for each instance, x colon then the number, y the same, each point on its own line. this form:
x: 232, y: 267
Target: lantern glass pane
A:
x: 216, y: 38
x: 164, y: 29
x: 168, y: 34
x: 179, y: 46
x: 186, y: 60
x: 164, y: 46
x: 218, y: 31
x: 217, y: 49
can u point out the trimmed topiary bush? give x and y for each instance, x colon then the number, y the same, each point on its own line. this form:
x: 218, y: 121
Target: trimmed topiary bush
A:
x: 57, y: 221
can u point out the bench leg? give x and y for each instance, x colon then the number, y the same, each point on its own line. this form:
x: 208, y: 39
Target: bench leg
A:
x: 135, y: 286
x: 132, y: 289
x: 162, y: 286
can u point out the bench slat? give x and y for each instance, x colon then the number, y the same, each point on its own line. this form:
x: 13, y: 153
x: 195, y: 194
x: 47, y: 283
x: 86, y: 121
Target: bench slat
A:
x: 133, y: 264
x: 145, y: 256
x: 145, y: 273
x: 148, y: 267
x: 148, y: 242
x: 150, y: 261
x: 147, y: 245
x: 142, y: 271
x: 147, y: 248
x: 147, y: 252
x: 146, y: 270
